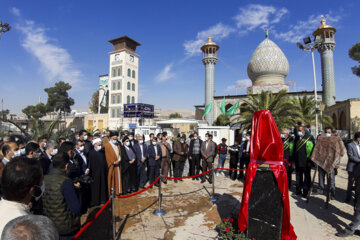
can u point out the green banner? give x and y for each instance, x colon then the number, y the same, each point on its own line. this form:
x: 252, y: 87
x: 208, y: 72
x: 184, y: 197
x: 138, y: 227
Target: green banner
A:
x: 232, y: 110
x: 222, y: 108
x: 207, y: 109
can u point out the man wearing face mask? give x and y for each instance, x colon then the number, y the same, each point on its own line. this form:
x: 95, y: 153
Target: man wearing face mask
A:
x: 97, y: 171
x: 288, y: 146
x: 195, y: 155
x: 208, y: 151
x: 131, y: 139
x: 9, y: 151
x: 83, y: 136
x: 141, y: 150
x: 128, y: 167
x: 304, y: 144
x: 22, y: 180
x: 42, y: 143
x: 45, y: 158
x: 180, y: 152
x: 62, y: 203
x: 113, y: 160
x: 80, y: 156
x: 154, y: 161
x: 32, y: 150
x: 322, y: 172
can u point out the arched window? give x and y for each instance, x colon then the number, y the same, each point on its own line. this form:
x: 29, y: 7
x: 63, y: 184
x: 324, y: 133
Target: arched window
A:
x: 114, y: 72
x: 118, y: 85
x: 128, y: 86
x: 334, y: 118
x: 113, y: 85
x: 119, y: 71
x: 118, y: 98
x: 129, y: 72
x: 128, y: 100
x: 113, y: 99
x: 133, y: 86
x: 133, y: 74
x: 342, y: 121
x: 132, y: 99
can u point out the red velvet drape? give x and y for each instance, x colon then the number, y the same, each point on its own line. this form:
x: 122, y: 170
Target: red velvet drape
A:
x: 266, y: 147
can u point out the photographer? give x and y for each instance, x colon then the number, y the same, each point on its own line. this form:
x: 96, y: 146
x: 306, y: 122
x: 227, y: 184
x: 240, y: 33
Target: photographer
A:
x: 61, y: 200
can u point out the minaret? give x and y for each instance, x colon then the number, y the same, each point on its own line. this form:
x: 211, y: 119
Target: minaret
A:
x: 324, y: 36
x: 209, y: 59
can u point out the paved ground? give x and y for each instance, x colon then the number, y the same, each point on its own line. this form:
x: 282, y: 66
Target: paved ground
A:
x: 190, y: 215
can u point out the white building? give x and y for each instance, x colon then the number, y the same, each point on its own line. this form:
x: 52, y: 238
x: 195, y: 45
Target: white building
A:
x: 123, y: 80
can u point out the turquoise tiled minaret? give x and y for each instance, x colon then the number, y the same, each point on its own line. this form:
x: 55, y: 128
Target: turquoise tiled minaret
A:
x: 209, y: 50
x: 324, y: 36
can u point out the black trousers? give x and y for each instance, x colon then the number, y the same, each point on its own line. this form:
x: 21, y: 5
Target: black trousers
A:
x: 244, y: 162
x: 233, y: 164
x: 205, y: 167
x: 178, y: 168
x: 289, y: 170
x: 194, y: 167
x: 350, y: 184
x: 303, y: 180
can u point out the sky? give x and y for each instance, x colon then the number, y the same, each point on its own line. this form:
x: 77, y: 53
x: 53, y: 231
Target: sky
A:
x: 52, y: 41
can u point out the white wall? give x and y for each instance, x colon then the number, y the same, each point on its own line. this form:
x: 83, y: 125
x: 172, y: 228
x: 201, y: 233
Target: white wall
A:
x: 218, y: 133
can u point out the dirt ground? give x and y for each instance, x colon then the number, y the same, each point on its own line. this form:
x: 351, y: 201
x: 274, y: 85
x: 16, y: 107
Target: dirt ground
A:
x: 190, y: 214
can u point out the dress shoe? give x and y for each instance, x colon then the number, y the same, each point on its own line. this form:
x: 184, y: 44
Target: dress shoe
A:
x: 193, y: 179
x: 181, y: 180
x: 175, y: 181
x: 210, y: 181
x: 345, y: 233
x: 203, y: 180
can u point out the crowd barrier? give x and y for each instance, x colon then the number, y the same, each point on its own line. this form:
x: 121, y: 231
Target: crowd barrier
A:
x: 159, y: 211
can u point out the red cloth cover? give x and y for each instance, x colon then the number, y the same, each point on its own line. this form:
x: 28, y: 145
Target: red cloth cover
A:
x: 266, y: 145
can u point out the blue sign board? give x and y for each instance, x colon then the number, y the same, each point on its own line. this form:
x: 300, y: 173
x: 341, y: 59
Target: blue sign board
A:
x: 139, y: 110
x: 132, y: 125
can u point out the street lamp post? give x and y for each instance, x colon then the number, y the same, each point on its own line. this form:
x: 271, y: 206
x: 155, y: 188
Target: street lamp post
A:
x: 4, y: 27
x: 310, y: 46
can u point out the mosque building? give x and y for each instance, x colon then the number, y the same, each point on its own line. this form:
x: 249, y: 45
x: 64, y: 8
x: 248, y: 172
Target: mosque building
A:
x: 268, y: 68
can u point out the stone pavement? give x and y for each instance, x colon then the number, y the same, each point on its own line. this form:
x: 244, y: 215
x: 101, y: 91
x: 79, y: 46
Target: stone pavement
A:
x: 190, y: 215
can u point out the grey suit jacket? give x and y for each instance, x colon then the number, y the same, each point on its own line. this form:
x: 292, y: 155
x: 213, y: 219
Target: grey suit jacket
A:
x: 353, y: 155
x: 209, y: 151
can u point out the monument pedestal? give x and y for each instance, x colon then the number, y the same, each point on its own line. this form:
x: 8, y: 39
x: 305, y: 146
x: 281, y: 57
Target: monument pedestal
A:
x: 265, y: 206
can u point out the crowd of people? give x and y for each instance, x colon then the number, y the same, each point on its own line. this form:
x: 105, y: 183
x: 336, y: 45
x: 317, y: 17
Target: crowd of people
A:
x: 54, y: 182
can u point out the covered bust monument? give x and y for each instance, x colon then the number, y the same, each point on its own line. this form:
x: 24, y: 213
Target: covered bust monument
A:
x: 265, y: 210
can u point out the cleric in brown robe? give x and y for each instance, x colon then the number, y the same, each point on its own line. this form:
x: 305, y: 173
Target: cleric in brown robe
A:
x: 128, y: 167
x: 113, y: 159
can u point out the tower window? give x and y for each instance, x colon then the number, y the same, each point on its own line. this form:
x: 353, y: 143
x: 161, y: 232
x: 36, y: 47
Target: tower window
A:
x: 133, y: 74
x: 119, y: 85
x: 133, y: 86
x: 118, y: 98
x: 132, y: 99
x: 114, y: 72
x: 129, y: 72
x: 113, y: 113
x: 113, y: 99
x: 113, y: 85
x: 118, y: 112
x: 128, y: 86
x: 128, y: 99
x: 119, y: 71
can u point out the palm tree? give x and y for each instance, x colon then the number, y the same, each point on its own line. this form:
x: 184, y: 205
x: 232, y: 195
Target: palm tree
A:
x: 306, y: 106
x: 279, y: 104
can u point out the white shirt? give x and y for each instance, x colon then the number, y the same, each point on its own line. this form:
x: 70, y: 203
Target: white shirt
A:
x: 142, y: 150
x: 5, y: 161
x: 10, y: 210
x: 358, y: 148
x: 155, y: 147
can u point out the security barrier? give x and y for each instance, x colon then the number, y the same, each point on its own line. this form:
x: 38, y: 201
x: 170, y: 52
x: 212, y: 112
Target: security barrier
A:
x: 159, y: 211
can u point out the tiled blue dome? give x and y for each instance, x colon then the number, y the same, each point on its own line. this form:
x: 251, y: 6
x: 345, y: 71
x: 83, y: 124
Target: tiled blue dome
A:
x: 268, y: 64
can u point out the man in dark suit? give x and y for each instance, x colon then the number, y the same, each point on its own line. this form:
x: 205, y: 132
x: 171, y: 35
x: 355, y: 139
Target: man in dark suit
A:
x: 195, y: 155
x: 80, y: 156
x: 46, y: 157
x: 353, y: 169
x: 141, y: 150
x: 154, y: 151
x: 353, y: 151
x: 245, y: 154
x: 83, y: 135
